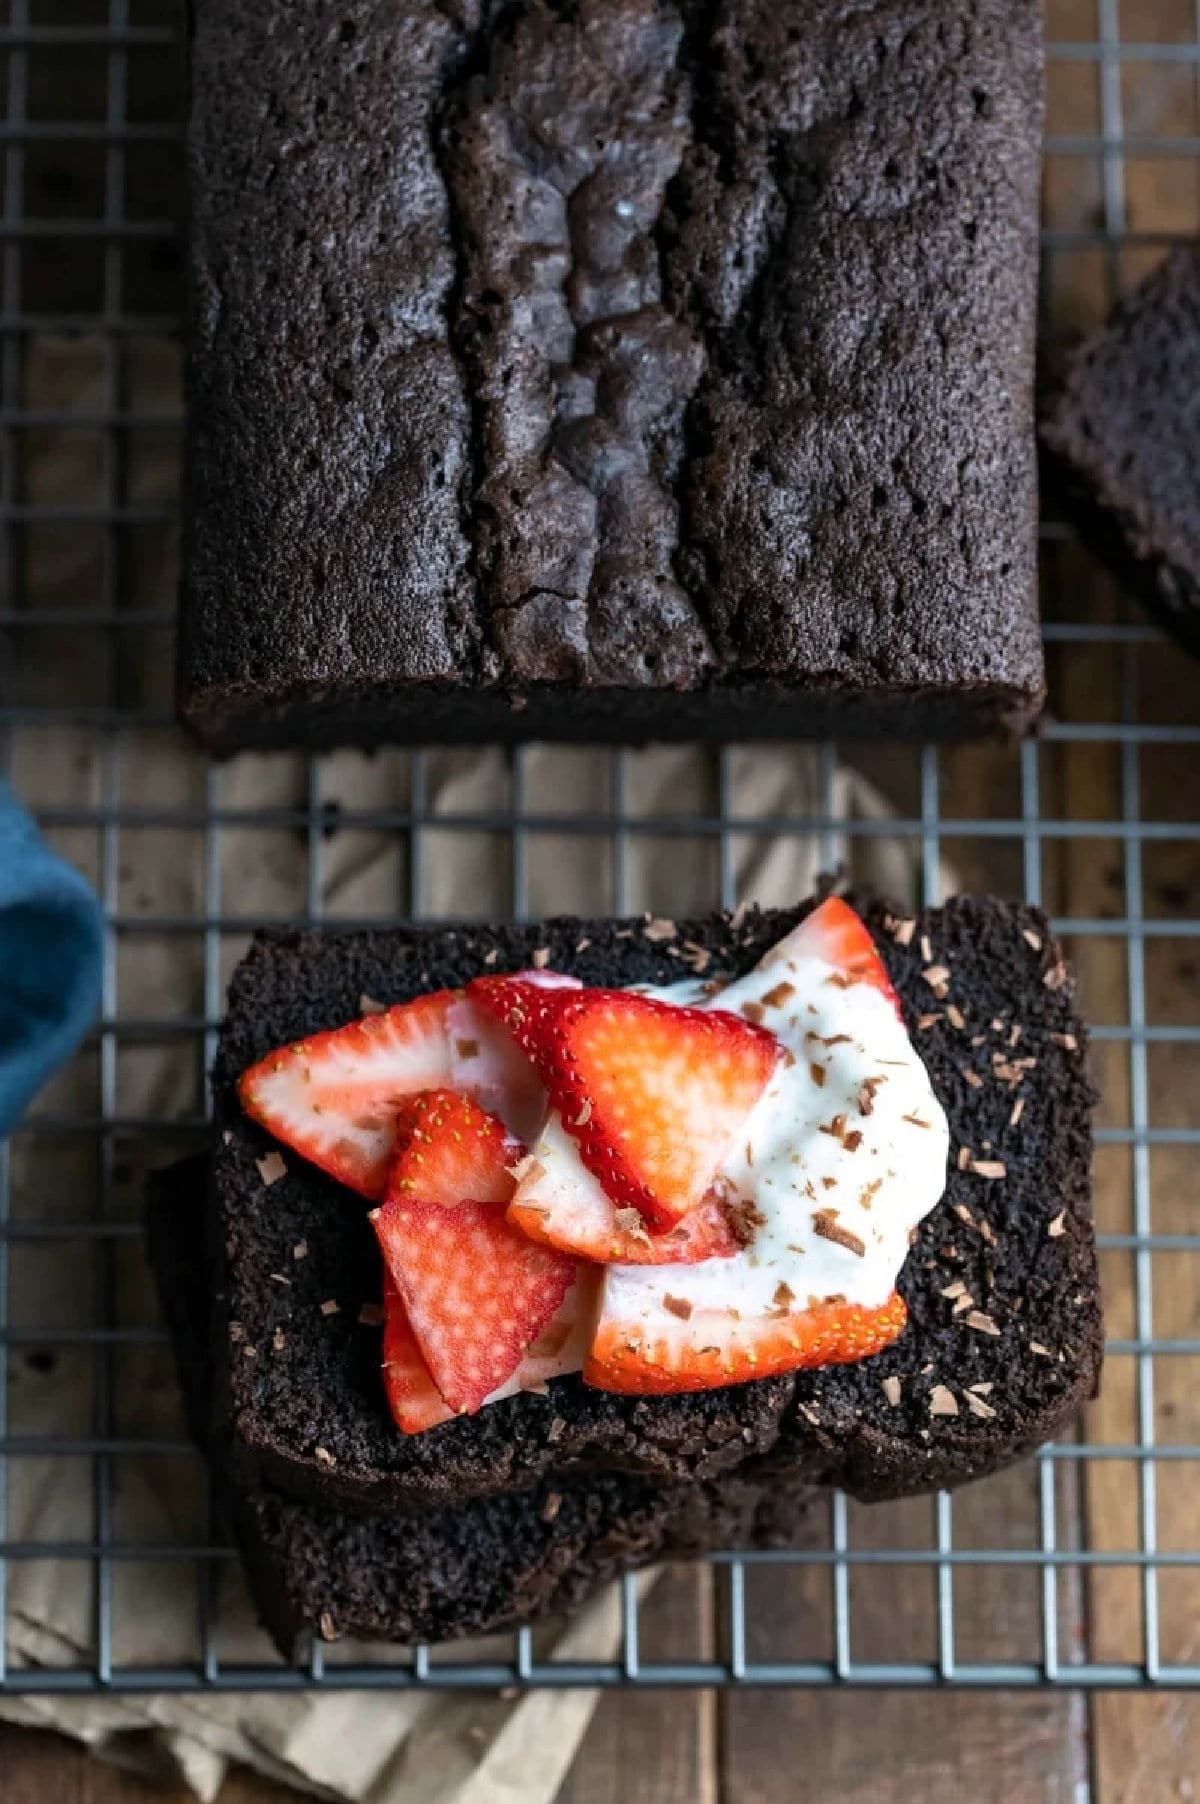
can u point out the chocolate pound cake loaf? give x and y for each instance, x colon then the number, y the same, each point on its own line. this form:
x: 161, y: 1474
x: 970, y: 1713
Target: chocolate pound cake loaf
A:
x: 608, y: 370
x: 1001, y: 1284
x: 1125, y: 429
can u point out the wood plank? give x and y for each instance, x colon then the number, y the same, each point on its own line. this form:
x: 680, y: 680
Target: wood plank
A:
x: 656, y: 1747
x: 36, y: 1766
x: 889, y: 1747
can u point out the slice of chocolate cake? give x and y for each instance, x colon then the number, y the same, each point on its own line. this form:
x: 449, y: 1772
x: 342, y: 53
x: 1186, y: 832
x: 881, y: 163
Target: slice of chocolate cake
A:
x: 459, y: 1568
x: 613, y: 370
x: 1004, y: 1334
x: 1125, y: 428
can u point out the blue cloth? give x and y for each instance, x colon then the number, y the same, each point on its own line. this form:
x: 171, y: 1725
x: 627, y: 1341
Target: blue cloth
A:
x: 51, y: 936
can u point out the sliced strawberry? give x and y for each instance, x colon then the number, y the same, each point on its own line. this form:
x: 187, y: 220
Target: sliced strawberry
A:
x: 413, y: 1398
x: 560, y: 1203
x: 449, y: 1150
x: 487, y: 1065
x: 670, y: 1346
x: 834, y: 933
x: 477, y: 1292
x: 333, y: 1097
x: 526, y: 1007
x: 653, y: 1094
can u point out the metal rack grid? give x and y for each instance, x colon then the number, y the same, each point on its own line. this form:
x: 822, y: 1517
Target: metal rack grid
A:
x: 90, y: 416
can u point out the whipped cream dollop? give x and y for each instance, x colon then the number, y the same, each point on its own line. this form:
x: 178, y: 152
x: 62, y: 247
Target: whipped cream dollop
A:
x: 842, y: 1157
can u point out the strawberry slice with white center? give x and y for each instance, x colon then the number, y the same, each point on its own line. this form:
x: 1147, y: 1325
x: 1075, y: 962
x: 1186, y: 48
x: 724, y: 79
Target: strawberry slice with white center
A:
x: 835, y: 934
x: 476, y: 1292
x: 651, y: 1341
x: 487, y: 1064
x: 559, y: 1203
x: 413, y: 1398
x: 652, y: 1094
x: 333, y: 1097
x: 449, y: 1150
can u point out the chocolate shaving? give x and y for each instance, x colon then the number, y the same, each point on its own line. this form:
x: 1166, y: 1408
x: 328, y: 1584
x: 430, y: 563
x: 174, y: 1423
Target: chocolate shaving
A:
x: 271, y: 1168
x: 1056, y: 976
x: 982, y: 1324
x: 925, y: 1022
x: 540, y: 957
x: 753, y: 1012
x: 279, y: 1340
x: 556, y: 1429
x: 917, y: 1120
x: 869, y: 1192
x: 1035, y: 1346
x: 1058, y: 1226
x: 825, y: 1223
x: 1031, y: 938
x: 988, y: 1168
x: 552, y: 1506
x: 367, y: 1005
x: 938, y: 979
x: 659, y: 929
x: 743, y: 1216
x: 866, y: 1093
x: 902, y: 932
x: 323, y: 1457
x: 817, y: 1073
x: 330, y: 1306
x: 891, y: 1390
x: 467, y: 1049
x: 955, y: 1016
x: 779, y: 994
x: 300, y: 1250
x: 784, y: 1294
x: 973, y: 1078
x: 978, y: 1407
x: 678, y: 1306
x: 926, y: 949
x: 942, y: 1401
x: 329, y: 1629
x: 1068, y: 1041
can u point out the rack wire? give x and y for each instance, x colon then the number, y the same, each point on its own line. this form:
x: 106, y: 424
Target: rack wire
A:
x: 1080, y: 1569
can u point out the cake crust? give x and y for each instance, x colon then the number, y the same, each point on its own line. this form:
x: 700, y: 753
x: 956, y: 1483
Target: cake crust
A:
x: 624, y: 369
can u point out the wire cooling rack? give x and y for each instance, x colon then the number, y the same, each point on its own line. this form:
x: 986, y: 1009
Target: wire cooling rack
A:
x: 1081, y: 1568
